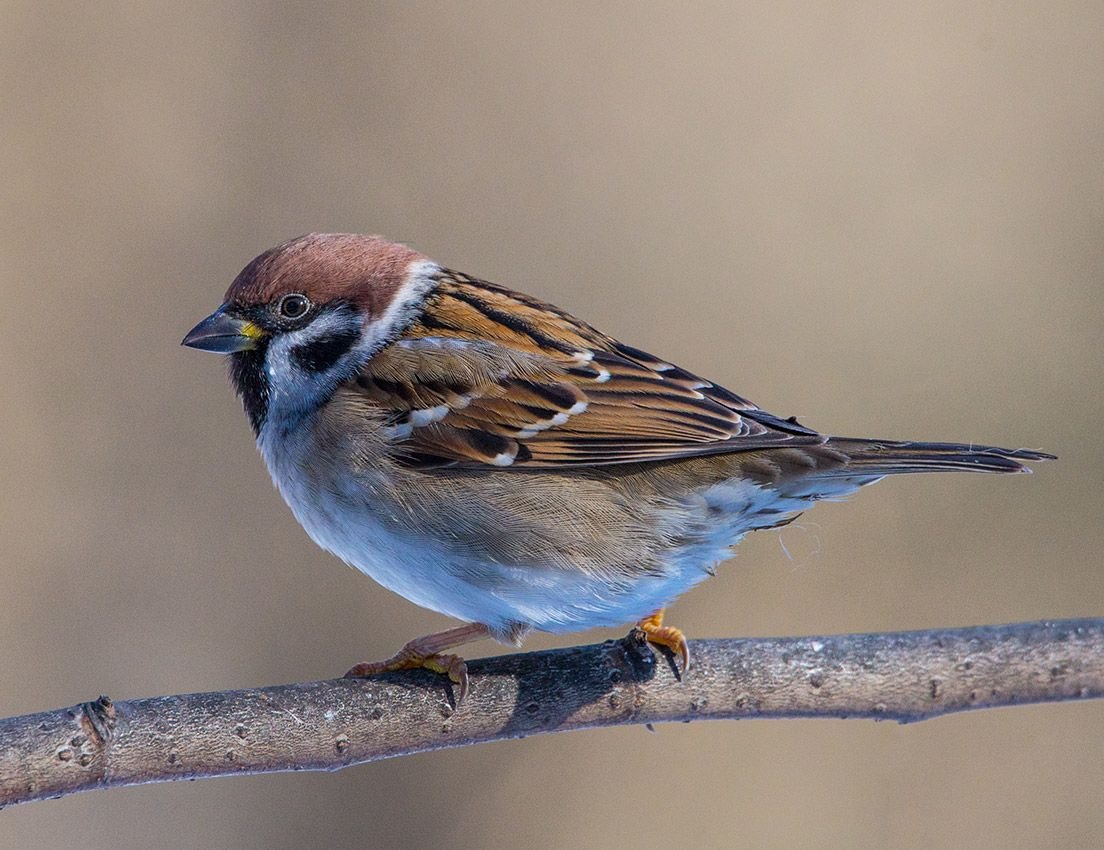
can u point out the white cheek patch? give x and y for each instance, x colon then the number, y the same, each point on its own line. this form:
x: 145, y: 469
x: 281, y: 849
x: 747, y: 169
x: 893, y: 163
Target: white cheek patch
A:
x: 293, y: 389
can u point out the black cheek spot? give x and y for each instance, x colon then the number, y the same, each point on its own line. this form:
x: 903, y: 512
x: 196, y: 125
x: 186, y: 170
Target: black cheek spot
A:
x: 319, y: 355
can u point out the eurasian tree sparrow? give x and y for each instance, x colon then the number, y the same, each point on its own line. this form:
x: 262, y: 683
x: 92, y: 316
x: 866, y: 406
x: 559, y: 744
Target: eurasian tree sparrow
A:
x: 486, y: 455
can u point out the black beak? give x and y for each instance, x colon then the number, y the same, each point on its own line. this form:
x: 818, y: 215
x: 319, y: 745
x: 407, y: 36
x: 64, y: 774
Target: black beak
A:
x: 224, y: 333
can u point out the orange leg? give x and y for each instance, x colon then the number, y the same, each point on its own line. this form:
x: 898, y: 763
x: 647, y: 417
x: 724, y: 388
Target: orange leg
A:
x: 667, y: 636
x: 427, y: 652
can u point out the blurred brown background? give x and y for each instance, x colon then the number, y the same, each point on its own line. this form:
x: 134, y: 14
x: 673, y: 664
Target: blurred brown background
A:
x: 887, y: 222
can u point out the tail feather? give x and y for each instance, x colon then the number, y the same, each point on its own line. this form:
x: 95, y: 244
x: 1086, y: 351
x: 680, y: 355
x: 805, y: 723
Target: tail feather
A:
x: 889, y: 457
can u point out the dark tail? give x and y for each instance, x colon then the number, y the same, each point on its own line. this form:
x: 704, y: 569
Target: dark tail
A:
x: 888, y: 457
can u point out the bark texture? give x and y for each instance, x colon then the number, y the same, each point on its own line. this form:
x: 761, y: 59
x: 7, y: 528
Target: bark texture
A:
x: 328, y: 725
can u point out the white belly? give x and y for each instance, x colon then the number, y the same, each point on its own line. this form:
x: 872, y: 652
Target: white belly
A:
x: 356, y: 527
x: 432, y: 575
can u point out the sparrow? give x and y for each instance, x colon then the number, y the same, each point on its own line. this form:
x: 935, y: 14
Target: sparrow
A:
x: 486, y: 455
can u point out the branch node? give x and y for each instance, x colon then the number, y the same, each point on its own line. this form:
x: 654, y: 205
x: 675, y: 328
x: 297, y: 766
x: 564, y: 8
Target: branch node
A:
x: 640, y: 657
x: 98, y: 719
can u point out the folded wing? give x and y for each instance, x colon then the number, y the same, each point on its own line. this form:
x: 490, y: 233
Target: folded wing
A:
x: 492, y: 377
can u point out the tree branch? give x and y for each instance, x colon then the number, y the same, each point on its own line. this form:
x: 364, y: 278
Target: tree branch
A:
x: 904, y: 676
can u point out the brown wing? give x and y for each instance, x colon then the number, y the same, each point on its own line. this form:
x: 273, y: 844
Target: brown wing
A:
x: 490, y: 376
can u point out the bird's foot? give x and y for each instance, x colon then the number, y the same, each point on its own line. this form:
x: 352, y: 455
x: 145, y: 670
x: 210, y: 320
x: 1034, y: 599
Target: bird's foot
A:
x: 452, y: 666
x: 668, y: 637
x: 428, y: 653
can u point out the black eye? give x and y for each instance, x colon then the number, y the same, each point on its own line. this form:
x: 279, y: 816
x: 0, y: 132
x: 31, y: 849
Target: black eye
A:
x: 293, y: 306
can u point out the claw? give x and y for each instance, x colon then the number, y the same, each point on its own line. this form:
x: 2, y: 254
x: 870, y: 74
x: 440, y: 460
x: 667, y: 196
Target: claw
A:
x: 452, y: 666
x: 666, y: 636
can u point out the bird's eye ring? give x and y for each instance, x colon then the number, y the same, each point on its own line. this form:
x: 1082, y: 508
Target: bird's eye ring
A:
x: 293, y: 306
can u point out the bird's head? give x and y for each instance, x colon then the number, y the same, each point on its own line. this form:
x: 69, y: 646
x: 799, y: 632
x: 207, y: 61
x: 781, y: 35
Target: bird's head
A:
x: 302, y: 317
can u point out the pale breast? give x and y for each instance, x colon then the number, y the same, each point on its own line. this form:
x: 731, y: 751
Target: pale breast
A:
x: 552, y: 551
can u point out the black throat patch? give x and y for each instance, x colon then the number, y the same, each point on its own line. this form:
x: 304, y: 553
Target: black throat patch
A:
x: 247, y: 373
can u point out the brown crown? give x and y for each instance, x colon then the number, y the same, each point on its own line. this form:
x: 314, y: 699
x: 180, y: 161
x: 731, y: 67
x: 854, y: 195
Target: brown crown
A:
x: 365, y: 270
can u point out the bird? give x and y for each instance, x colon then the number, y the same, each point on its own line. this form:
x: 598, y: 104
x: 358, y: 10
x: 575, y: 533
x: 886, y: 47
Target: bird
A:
x: 490, y: 457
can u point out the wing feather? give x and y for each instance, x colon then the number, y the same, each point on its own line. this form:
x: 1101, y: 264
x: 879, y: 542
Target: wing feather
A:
x: 487, y: 376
